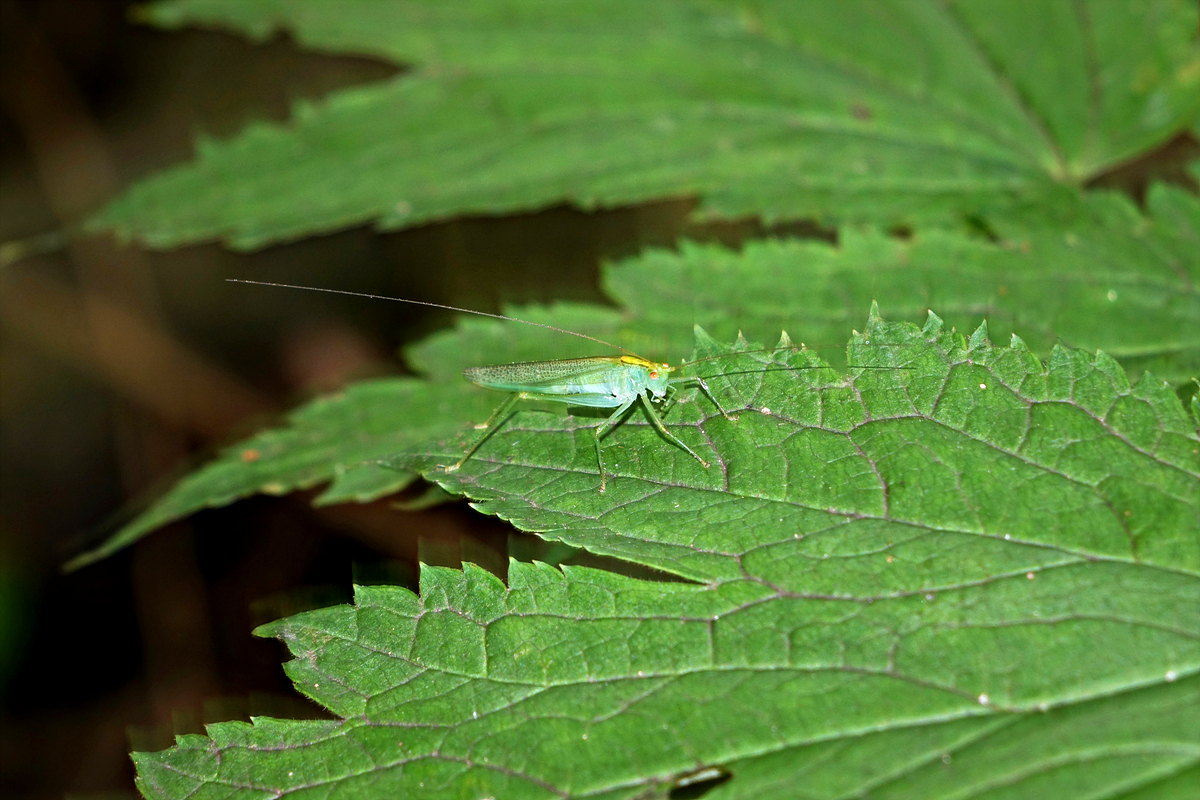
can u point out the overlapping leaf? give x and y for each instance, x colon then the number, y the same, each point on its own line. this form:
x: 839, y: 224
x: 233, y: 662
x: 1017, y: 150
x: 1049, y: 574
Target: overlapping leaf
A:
x: 1114, y: 279
x: 336, y: 440
x: 342, y: 439
x: 888, y: 112
x: 931, y: 432
x: 587, y: 684
x: 1109, y: 277
x: 959, y: 571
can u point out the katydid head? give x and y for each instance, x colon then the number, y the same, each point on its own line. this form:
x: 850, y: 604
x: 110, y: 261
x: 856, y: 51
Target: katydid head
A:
x: 657, y: 376
x: 658, y: 379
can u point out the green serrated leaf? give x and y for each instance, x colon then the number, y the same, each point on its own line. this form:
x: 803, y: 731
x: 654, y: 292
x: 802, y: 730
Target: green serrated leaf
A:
x: 345, y: 439
x: 933, y: 433
x: 895, y: 112
x: 584, y: 683
x: 951, y: 570
x: 804, y: 285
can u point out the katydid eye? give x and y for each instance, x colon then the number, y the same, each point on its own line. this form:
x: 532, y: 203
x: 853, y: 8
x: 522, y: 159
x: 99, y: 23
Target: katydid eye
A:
x: 654, y: 374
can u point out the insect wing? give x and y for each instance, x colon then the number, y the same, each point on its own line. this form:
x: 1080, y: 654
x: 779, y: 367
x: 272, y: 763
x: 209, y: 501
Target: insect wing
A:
x: 570, y: 376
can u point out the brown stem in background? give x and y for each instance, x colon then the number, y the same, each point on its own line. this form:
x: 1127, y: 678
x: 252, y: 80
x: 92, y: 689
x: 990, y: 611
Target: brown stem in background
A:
x: 145, y: 365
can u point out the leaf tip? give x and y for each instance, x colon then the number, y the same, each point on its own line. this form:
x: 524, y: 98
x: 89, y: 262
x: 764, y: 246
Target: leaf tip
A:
x: 703, y: 340
x: 269, y: 630
x: 873, y: 316
x: 979, y: 338
x: 875, y: 323
x: 1109, y: 366
x: 481, y: 577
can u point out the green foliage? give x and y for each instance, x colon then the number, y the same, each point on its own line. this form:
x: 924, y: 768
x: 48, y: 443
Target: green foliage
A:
x: 895, y: 112
x: 585, y: 683
x: 1115, y: 279
x: 342, y: 439
x: 935, y: 567
x: 900, y: 575
x: 1108, y: 278
x: 930, y: 431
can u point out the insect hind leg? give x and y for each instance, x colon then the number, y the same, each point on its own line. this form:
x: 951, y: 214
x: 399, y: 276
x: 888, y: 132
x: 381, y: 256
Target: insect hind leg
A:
x: 488, y: 428
x: 603, y: 428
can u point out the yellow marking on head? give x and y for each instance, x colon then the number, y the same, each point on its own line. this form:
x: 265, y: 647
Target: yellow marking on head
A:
x: 654, y: 367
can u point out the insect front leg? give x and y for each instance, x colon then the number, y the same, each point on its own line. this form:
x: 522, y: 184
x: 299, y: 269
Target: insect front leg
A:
x: 489, y: 427
x: 658, y: 424
x: 709, y: 392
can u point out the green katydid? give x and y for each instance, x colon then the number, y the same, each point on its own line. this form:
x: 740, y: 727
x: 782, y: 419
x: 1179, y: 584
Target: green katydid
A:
x: 597, y: 382
x: 615, y: 382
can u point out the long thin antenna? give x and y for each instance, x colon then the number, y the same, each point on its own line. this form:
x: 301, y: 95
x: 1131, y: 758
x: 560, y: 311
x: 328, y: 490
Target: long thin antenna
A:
x: 431, y: 305
x: 794, y: 348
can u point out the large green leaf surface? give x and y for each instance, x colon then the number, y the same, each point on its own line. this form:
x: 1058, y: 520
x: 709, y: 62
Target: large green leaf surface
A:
x: 968, y: 428
x: 951, y: 571
x: 1110, y: 278
x: 586, y: 684
x: 893, y: 112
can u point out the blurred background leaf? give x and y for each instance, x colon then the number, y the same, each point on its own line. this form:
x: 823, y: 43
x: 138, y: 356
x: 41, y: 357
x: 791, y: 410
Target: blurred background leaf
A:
x: 897, y: 113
